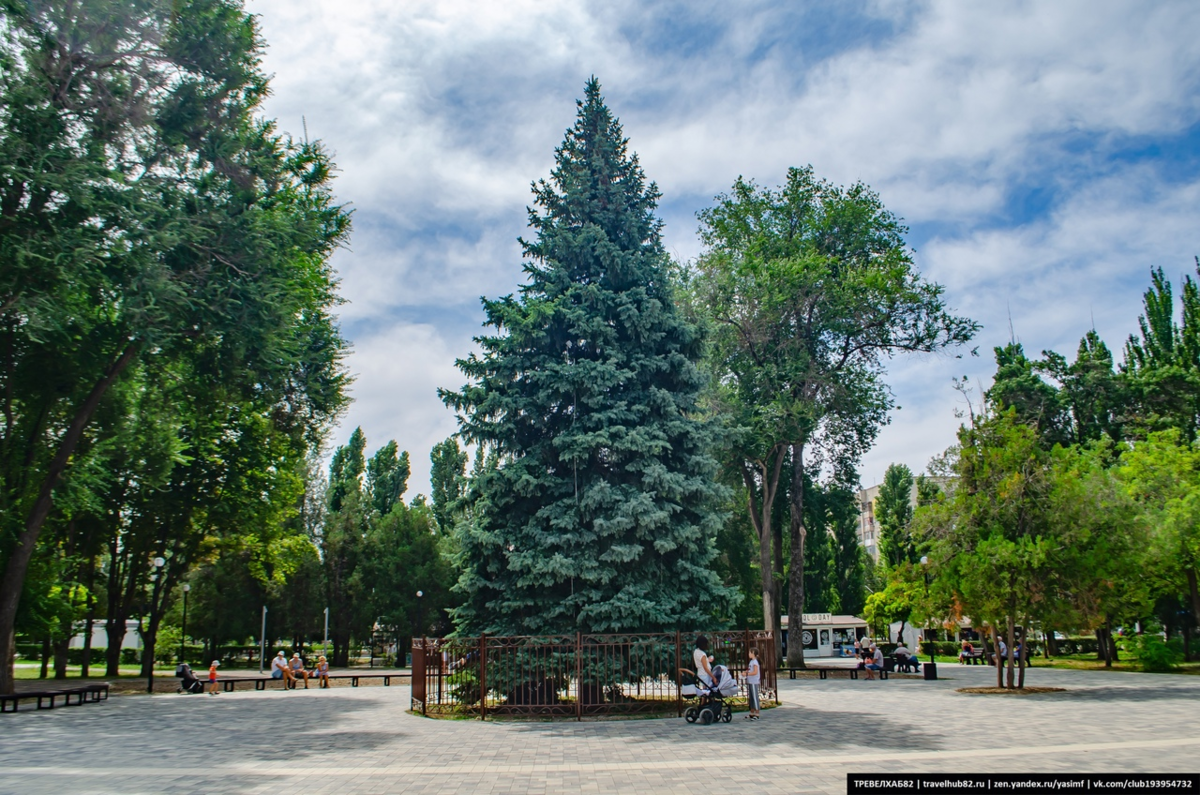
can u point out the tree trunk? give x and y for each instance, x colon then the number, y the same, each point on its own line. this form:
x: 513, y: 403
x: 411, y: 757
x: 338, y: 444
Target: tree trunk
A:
x: 1187, y: 642
x: 45, y: 657
x: 1023, y: 656
x: 13, y: 581
x: 114, y: 627
x: 796, y: 576
x: 1104, y: 650
x: 1012, y: 640
x: 762, y: 518
x: 60, y: 656
x: 1194, y: 592
x: 149, y: 639
x: 88, y: 624
x: 997, y: 658
x: 1051, y: 644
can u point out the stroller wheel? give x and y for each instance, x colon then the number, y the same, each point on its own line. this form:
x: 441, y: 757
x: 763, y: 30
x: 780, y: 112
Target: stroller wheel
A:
x: 707, y: 716
x: 727, y: 714
x: 691, y: 714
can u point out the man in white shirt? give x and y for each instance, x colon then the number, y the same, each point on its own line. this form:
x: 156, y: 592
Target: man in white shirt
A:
x: 279, y: 668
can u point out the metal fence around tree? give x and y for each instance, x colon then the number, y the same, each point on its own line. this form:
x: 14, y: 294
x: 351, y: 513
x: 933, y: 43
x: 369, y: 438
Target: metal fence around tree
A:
x: 575, y: 675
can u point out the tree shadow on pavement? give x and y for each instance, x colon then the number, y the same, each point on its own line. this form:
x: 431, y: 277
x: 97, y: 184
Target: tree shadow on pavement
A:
x: 191, y: 730
x: 798, y: 727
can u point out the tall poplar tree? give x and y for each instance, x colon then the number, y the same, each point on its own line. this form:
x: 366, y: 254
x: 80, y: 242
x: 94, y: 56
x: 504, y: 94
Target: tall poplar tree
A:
x: 601, y: 514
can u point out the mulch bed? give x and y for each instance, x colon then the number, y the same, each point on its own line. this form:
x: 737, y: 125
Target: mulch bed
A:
x: 1004, y: 691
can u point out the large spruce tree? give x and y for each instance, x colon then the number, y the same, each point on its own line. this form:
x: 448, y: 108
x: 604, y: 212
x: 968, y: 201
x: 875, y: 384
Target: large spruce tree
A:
x: 601, y: 513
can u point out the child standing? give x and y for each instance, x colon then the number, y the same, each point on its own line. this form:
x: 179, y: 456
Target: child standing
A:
x: 212, y: 678
x: 752, y: 680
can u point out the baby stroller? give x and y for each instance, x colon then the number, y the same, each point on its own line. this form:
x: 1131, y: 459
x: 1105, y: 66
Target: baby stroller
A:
x: 710, y: 706
x: 188, y: 681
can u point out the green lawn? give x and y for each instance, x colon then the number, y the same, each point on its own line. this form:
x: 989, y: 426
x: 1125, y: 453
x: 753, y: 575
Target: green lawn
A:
x: 34, y: 670
x: 1088, y: 662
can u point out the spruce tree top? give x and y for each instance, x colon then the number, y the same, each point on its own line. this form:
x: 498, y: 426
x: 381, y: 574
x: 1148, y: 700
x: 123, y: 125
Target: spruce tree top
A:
x: 599, y: 515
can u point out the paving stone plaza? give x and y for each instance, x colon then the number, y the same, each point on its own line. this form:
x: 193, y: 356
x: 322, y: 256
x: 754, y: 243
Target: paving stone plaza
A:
x: 361, y: 740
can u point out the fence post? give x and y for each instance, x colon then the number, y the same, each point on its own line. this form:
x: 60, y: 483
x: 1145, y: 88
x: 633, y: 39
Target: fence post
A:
x: 578, y: 676
x: 483, y: 676
x: 418, y: 675
x: 678, y: 675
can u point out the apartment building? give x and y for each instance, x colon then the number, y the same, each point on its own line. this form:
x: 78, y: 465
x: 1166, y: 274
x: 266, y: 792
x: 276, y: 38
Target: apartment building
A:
x: 868, y: 527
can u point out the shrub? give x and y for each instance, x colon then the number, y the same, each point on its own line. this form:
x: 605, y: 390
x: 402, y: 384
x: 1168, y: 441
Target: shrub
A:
x: 1153, y: 654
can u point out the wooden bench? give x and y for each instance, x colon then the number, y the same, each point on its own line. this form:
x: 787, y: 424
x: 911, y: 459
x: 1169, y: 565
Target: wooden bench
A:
x: 47, y: 699
x: 228, y: 684
x: 823, y: 671
x: 974, y: 657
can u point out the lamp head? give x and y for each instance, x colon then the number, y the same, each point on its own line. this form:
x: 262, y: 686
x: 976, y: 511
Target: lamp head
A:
x: 159, y: 562
x: 924, y: 560
x: 186, y: 587
x: 420, y: 594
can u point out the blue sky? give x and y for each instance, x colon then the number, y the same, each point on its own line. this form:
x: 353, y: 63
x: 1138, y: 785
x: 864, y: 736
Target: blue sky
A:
x: 1044, y: 155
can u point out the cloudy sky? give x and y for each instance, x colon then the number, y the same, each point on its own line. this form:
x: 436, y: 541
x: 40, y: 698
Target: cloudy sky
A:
x: 1044, y: 155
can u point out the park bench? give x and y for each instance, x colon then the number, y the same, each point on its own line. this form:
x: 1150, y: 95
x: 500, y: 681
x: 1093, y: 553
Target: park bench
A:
x: 47, y: 699
x: 894, y: 663
x: 228, y: 684
x: 823, y: 671
x: 975, y: 657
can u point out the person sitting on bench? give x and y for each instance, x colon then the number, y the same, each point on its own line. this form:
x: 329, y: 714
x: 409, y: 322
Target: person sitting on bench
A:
x: 296, y: 667
x: 904, y: 658
x: 968, y: 652
x: 876, y: 663
x: 279, y: 668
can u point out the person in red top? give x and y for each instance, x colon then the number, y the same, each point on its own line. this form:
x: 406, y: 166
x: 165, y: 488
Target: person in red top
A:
x: 212, y: 678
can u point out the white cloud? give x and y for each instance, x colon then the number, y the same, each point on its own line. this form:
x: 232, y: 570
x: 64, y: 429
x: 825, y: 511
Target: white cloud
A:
x: 441, y: 113
x: 399, y: 369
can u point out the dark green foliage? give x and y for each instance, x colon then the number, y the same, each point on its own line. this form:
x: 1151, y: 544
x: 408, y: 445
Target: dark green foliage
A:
x: 1018, y: 386
x: 401, y: 557
x: 737, y: 567
x: 601, y: 512
x: 1163, y: 364
x: 849, y: 570
x: 153, y: 226
x: 810, y: 289
x: 1095, y: 395
x: 387, y: 477
x: 894, y: 511
x: 447, y: 478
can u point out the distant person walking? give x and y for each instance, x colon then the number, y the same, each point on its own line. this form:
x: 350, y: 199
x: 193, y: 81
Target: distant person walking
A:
x: 753, y: 677
x: 212, y: 678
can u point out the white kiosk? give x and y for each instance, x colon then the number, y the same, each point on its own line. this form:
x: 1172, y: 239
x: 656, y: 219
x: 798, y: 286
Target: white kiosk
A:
x: 827, y: 635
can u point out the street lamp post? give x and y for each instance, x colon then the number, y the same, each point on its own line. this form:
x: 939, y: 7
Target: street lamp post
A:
x: 931, y: 666
x: 262, y: 640
x: 159, y: 562
x: 183, y: 631
x: 421, y: 612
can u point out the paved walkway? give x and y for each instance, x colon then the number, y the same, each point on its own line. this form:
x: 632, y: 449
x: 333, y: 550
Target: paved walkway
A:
x: 362, y: 741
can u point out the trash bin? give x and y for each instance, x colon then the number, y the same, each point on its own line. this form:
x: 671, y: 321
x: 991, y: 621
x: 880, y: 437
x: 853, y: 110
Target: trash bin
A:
x: 930, y: 670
